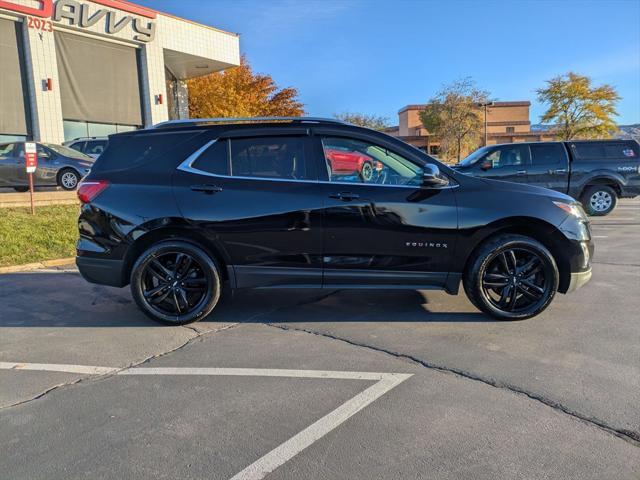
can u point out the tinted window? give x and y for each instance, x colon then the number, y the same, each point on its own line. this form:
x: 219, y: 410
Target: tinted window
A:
x: 126, y: 151
x: 95, y: 147
x: 77, y: 146
x: 67, y: 152
x: 589, y: 151
x: 621, y: 150
x: 545, y: 154
x: 507, y: 156
x: 270, y: 157
x: 6, y: 149
x: 214, y: 159
x: 357, y: 161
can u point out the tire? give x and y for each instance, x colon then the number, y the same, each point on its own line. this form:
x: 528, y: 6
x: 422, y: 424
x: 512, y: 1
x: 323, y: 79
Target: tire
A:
x: 599, y: 200
x: 366, y: 171
x: 68, y: 179
x: 191, y: 280
x: 21, y: 189
x: 490, y: 288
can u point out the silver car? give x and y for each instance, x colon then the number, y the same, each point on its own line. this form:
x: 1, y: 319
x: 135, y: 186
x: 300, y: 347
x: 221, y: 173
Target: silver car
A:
x: 57, y: 166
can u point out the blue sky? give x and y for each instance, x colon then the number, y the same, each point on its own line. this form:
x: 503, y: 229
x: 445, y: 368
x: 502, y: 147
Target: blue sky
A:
x: 375, y: 56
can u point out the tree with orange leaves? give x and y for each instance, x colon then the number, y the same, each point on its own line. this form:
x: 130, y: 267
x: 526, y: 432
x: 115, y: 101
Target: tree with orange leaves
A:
x: 239, y: 92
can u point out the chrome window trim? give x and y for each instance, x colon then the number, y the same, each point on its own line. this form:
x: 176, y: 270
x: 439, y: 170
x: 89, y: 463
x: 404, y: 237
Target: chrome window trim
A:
x: 187, y: 166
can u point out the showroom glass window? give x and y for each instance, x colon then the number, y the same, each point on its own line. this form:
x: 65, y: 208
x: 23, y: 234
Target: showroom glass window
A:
x: 357, y: 161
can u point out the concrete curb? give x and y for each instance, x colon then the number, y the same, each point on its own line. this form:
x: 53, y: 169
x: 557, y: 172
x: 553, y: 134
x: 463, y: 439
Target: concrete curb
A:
x: 40, y: 199
x: 36, y: 265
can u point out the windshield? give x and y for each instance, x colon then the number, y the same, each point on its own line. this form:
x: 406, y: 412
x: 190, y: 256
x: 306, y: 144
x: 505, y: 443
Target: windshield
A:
x: 68, y: 152
x: 474, y: 157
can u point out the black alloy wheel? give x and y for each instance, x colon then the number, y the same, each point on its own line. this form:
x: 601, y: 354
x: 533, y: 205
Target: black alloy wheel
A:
x: 515, y: 277
x: 175, y: 283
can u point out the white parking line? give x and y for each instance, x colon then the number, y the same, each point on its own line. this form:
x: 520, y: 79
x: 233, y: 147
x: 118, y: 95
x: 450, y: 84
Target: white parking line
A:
x: 290, y: 448
x: 56, y: 367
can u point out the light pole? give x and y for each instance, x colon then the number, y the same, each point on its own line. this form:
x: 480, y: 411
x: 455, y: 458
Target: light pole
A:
x: 485, y: 105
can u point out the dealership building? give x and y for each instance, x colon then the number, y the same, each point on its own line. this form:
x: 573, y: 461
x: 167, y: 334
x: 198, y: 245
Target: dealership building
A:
x: 73, y: 68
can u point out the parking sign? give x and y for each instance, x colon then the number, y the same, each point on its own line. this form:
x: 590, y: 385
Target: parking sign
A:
x: 30, y: 156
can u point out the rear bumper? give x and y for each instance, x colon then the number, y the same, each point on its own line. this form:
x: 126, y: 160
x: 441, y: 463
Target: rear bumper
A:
x: 101, y: 271
x: 578, y: 279
x: 630, y: 191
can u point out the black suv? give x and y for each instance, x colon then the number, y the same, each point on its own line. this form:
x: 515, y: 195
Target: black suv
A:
x: 597, y: 172
x: 180, y: 209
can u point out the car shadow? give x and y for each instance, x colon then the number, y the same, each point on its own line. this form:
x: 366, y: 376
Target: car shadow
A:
x: 63, y: 299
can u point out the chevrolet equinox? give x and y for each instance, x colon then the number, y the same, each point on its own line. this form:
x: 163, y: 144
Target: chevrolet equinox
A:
x: 180, y: 209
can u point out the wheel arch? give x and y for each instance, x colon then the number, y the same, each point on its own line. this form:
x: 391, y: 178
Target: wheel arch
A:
x: 179, y: 233
x: 607, y: 180
x: 540, y: 230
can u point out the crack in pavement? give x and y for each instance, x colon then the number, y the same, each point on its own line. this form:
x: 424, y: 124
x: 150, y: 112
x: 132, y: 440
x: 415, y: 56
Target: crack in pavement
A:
x: 627, y: 435
x: 92, y: 378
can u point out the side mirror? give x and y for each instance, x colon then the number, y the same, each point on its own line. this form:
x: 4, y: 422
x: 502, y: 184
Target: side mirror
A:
x: 431, y: 177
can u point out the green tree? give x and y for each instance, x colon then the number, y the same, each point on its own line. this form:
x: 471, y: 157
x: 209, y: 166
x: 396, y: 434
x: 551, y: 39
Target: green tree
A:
x: 454, y: 118
x: 577, y: 108
x: 374, y: 122
x: 238, y: 92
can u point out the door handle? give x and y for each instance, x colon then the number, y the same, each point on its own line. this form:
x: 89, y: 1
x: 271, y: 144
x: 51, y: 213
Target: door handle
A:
x: 207, y: 188
x: 345, y: 196
x: 560, y: 170
x: 521, y: 172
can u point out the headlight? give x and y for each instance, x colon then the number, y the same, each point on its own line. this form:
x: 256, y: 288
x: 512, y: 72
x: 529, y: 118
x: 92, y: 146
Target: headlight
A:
x: 574, y: 209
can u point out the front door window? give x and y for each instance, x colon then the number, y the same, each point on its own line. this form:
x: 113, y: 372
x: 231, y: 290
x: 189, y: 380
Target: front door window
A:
x: 357, y: 161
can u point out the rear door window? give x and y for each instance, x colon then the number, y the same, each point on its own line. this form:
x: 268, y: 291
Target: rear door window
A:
x: 277, y: 157
x: 215, y: 159
x: 547, y: 154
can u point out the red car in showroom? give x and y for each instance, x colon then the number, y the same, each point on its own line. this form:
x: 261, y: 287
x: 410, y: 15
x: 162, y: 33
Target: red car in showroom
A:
x: 348, y: 162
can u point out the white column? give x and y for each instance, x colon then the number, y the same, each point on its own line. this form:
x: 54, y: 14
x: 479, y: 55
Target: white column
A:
x: 153, y: 84
x: 46, y: 106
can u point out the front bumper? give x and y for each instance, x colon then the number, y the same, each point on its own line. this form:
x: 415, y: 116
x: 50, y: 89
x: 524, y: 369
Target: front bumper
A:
x: 578, y: 279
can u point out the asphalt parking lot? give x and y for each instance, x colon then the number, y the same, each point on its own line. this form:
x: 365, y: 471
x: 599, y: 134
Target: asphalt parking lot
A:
x: 332, y: 385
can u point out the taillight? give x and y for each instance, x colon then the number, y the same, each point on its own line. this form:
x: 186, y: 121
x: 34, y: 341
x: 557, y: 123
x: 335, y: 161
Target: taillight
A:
x: 87, y: 191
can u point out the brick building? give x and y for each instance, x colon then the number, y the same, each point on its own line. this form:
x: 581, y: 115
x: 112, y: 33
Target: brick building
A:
x: 507, y: 122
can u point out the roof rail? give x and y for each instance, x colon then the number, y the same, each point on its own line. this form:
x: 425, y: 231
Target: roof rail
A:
x: 204, y: 121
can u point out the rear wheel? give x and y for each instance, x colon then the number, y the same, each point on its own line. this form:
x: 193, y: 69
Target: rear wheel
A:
x: 175, y: 283
x: 68, y: 179
x: 366, y: 172
x: 511, y: 277
x: 599, y: 200
x: 21, y: 189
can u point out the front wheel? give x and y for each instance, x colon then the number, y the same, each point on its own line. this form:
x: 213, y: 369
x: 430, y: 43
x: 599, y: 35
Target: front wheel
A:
x: 68, y: 179
x: 511, y: 277
x: 175, y: 283
x: 599, y: 200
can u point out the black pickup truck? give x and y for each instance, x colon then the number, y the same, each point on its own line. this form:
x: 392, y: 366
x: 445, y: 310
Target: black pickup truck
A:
x: 596, y: 172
